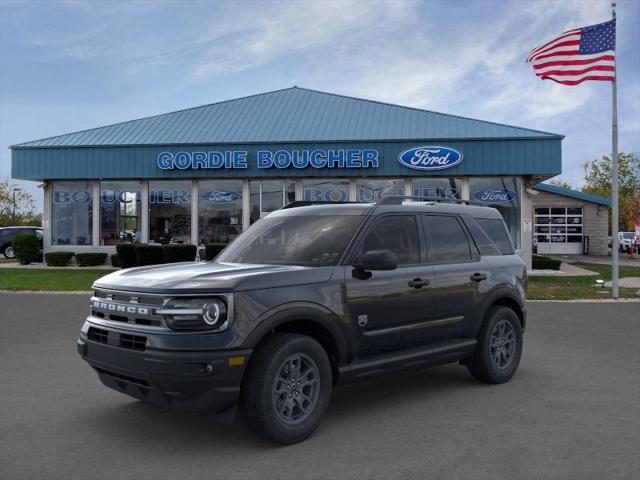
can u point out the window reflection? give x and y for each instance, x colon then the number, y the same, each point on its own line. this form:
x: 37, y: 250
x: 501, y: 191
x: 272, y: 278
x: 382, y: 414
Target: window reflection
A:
x: 119, y: 212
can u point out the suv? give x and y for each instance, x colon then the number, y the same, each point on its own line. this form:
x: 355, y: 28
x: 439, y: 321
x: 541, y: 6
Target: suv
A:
x: 307, y: 298
x: 7, y: 234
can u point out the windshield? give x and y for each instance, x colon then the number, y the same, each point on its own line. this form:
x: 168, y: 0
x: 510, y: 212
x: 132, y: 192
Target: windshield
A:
x: 628, y: 234
x: 315, y: 240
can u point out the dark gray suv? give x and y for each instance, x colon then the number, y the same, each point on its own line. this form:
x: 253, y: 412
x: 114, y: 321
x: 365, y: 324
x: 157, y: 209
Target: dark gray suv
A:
x: 309, y: 297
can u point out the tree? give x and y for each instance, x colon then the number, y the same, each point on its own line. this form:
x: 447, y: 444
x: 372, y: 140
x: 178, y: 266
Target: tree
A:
x: 25, y: 207
x: 597, y: 180
x: 558, y: 182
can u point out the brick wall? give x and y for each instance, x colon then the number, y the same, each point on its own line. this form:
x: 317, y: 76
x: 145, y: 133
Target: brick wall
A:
x: 595, y: 226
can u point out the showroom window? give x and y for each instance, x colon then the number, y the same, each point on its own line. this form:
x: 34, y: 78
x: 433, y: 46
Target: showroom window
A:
x: 437, y: 187
x: 503, y: 194
x: 270, y: 195
x: 72, y: 213
x: 372, y: 190
x: 219, y: 211
x: 119, y: 212
x: 170, y: 212
x: 326, y: 190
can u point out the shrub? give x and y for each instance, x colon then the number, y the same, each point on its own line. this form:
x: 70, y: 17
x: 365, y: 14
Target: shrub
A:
x: 127, y: 255
x: 213, y: 249
x: 58, y: 259
x: 545, y: 263
x: 90, y: 259
x: 27, y: 248
x: 149, y: 255
x: 176, y: 252
x: 115, y: 260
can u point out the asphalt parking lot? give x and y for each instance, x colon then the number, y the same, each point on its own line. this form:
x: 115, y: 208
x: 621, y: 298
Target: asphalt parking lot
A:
x: 572, y: 411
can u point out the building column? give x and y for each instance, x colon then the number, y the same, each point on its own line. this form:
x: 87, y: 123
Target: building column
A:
x: 353, y: 190
x: 246, y: 203
x: 465, y: 194
x: 144, y: 211
x: 299, y: 189
x: 526, y: 223
x: 46, y: 216
x: 95, y: 228
x: 408, y: 187
x: 194, y: 212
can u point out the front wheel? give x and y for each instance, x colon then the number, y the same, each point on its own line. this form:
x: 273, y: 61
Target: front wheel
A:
x: 499, y: 346
x: 287, y: 388
x: 8, y: 252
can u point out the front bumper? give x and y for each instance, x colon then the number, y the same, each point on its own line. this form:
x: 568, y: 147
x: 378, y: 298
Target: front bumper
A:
x: 186, y: 380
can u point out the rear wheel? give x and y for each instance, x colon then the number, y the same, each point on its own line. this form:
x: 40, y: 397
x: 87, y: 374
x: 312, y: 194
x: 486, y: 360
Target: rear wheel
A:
x: 8, y: 252
x: 499, y: 346
x: 287, y: 388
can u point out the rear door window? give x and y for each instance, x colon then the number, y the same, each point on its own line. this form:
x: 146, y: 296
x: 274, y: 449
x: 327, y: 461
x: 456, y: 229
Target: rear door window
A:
x: 448, y: 240
x: 483, y: 242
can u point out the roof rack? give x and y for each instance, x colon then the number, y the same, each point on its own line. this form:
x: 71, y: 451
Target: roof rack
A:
x: 398, y: 199
x: 307, y: 203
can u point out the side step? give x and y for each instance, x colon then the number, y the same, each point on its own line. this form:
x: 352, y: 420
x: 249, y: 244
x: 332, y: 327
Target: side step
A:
x: 437, y: 354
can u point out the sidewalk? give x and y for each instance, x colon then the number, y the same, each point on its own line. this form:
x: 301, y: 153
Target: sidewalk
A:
x: 43, y: 265
x: 624, y: 259
x: 566, y: 270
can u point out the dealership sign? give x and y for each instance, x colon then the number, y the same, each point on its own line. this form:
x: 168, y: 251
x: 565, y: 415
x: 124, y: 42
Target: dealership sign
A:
x: 265, y: 159
x: 220, y: 197
x: 495, y: 195
x: 430, y: 158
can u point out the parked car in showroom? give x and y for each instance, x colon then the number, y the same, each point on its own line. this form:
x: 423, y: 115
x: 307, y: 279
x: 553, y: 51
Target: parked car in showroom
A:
x: 7, y: 234
x: 309, y: 297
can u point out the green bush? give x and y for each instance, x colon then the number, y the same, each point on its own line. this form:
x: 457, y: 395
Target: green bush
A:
x: 177, y: 252
x: 27, y: 248
x: 127, y: 255
x: 90, y: 259
x: 545, y: 263
x: 115, y: 260
x: 58, y: 259
x: 213, y: 249
x: 149, y: 255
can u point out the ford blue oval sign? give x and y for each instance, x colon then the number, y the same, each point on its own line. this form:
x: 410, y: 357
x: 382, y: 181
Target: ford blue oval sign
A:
x: 430, y: 158
x: 495, y: 195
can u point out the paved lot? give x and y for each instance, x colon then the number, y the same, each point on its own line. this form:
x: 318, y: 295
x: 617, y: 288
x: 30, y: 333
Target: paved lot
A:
x: 572, y: 411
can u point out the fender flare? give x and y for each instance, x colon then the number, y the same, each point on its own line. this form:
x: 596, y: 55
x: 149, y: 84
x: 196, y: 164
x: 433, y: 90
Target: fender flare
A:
x: 500, y: 293
x: 305, y: 311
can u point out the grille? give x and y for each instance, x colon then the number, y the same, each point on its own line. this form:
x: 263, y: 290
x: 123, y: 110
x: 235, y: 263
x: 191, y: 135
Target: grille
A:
x: 137, y: 381
x: 128, y: 308
x: 133, y: 342
x: 98, y: 335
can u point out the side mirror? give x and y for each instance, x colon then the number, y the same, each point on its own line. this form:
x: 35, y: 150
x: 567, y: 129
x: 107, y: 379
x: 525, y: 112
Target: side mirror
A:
x: 377, y: 260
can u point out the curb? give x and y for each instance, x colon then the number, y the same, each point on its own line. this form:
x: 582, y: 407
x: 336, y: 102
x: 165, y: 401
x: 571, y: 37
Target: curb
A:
x: 46, y: 292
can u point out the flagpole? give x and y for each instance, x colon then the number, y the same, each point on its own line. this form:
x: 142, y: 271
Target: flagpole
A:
x: 614, y: 177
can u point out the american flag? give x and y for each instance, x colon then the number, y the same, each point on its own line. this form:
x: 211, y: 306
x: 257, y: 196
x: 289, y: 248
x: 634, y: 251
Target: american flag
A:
x: 587, y: 53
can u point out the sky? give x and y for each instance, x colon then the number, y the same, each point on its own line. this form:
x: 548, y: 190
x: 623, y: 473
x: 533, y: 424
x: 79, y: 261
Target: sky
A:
x: 72, y: 65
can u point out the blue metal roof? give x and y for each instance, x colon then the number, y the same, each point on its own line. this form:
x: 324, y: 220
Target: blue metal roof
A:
x: 565, y: 192
x: 289, y: 116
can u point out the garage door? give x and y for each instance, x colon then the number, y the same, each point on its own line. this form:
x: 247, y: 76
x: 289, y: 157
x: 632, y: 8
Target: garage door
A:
x: 558, y: 229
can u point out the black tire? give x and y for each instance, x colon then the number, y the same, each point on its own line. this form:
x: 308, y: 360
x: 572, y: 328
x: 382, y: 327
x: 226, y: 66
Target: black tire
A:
x: 269, y: 366
x: 497, y: 364
x: 8, y: 252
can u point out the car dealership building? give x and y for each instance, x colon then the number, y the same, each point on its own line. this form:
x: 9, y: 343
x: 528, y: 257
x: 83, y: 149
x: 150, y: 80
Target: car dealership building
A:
x: 204, y: 174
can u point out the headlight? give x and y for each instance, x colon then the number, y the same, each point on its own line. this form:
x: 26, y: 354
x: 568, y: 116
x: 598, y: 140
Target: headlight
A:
x: 195, y: 313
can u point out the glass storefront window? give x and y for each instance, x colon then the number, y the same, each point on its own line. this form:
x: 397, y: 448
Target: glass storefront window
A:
x: 326, y: 190
x: 503, y: 194
x: 71, y: 213
x: 269, y: 195
x: 437, y: 187
x: 119, y: 212
x: 170, y: 212
x: 219, y: 211
x: 372, y: 190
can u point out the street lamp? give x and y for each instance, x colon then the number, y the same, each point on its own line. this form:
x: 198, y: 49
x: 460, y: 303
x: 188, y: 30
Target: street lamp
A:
x: 14, y: 203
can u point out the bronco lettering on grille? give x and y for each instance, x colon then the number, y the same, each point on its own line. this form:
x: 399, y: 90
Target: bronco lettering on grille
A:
x: 118, y: 307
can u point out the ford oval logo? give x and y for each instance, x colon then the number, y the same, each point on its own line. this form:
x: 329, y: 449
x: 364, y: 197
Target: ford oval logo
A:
x: 220, y: 197
x: 430, y: 158
x: 495, y: 195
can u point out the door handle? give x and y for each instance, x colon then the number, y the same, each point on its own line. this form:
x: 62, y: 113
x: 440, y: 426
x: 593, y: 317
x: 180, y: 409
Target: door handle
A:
x: 478, y: 277
x: 418, y: 283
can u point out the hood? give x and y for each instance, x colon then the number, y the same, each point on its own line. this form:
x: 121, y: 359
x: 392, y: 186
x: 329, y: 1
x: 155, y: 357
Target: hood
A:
x: 190, y: 277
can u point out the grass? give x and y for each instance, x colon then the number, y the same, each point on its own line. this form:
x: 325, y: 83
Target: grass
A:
x: 570, y: 288
x: 49, y: 279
